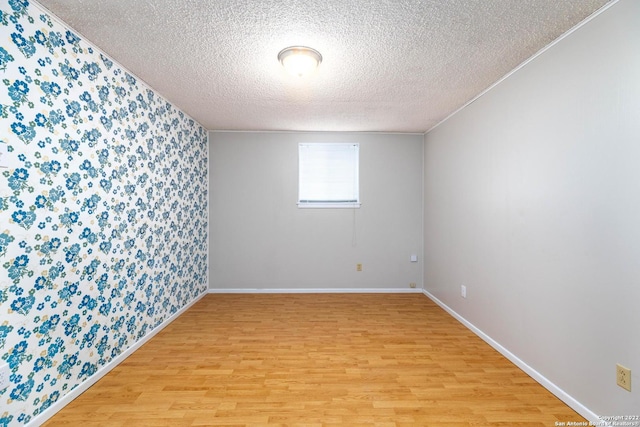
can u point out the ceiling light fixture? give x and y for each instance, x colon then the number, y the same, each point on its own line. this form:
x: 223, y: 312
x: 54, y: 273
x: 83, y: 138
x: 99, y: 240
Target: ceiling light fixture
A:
x: 299, y: 60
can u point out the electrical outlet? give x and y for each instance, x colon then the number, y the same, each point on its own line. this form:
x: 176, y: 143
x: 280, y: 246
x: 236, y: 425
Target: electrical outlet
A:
x: 623, y: 377
x: 358, y: 267
x: 463, y: 291
x: 412, y: 285
x: 5, y: 373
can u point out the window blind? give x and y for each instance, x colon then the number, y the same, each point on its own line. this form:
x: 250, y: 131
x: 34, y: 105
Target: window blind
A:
x: 328, y: 175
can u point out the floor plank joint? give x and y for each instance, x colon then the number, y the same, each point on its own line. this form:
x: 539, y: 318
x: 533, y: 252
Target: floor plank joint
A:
x: 316, y: 359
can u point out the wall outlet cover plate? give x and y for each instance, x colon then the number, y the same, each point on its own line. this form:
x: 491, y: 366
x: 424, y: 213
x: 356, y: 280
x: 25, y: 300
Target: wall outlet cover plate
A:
x: 623, y: 377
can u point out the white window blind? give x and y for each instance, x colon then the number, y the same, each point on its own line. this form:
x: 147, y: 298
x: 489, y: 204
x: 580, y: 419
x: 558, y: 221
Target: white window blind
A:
x: 328, y: 175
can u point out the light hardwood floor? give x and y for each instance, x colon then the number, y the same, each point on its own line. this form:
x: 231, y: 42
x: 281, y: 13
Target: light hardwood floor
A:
x: 315, y: 359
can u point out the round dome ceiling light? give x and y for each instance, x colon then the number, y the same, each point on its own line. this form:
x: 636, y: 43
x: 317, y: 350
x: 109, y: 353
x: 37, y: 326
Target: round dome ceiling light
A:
x: 299, y: 60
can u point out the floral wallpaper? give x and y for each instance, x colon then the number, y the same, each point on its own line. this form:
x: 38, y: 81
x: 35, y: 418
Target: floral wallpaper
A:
x: 103, y: 210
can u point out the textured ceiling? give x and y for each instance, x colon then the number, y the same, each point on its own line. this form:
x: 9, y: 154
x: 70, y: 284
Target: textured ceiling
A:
x: 388, y: 65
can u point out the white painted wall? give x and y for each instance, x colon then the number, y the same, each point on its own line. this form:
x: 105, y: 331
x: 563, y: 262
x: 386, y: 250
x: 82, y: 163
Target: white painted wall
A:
x: 260, y: 239
x: 532, y: 200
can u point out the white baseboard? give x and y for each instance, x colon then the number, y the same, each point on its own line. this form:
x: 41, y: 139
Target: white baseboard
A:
x: 69, y: 397
x: 546, y: 383
x: 317, y: 291
x: 558, y: 392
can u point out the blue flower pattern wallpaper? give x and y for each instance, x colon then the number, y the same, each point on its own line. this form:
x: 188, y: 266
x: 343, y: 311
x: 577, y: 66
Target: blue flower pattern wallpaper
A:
x: 103, y: 210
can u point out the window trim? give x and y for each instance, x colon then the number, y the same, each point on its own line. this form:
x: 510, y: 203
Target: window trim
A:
x: 330, y: 204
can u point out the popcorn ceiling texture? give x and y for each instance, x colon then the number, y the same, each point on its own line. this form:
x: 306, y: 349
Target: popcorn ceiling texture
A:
x: 399, y: 65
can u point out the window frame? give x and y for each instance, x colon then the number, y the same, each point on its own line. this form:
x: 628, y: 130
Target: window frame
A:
x: 330, y: 204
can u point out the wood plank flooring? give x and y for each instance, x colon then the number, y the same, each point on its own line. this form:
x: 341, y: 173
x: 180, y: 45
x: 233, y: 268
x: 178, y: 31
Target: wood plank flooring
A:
x: 315, y: 360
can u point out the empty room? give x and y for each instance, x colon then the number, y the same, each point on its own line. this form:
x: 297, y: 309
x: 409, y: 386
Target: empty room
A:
x: 265, y: 213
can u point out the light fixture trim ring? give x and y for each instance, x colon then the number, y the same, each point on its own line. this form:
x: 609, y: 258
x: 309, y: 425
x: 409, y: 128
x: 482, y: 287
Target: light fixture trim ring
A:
x: 305, y: 50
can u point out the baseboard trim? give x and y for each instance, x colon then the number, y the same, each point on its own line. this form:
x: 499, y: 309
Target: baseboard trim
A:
x: 317, y: 291
x: 69, y: 397
x: 541, y: 379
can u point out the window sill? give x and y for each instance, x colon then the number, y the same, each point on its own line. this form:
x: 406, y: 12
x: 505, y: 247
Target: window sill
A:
x: 328, y: 205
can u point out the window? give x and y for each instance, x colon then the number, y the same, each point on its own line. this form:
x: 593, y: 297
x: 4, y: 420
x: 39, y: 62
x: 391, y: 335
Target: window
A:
x: 328, y: 175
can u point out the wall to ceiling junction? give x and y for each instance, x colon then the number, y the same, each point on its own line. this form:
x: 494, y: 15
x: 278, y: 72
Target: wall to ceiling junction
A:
x: 261, y: 240
x: 532, y: 200
x: 103, y: 211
